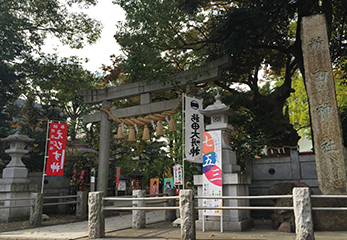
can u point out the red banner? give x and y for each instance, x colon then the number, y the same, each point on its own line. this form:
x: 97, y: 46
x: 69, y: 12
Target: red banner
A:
x: 56, y: 149
x: 117, y: 177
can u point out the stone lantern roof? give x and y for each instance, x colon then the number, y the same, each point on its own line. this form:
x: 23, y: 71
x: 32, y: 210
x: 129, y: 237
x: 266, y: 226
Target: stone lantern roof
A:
x: 17, y: 137
x: 219, y: 113
x: 217, y: 107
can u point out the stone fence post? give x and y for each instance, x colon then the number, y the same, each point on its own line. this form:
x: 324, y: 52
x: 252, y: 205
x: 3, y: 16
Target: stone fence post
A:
x: 36, y: 209
x: 303, y: 214
x: 139, y: 216
x: 81, y: 205
x: 96, y: 220
x: 170, y: 215
x: 187, y: 215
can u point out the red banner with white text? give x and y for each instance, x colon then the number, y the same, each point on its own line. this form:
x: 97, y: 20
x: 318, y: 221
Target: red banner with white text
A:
x: 56, y: 149
x: 117, y: 177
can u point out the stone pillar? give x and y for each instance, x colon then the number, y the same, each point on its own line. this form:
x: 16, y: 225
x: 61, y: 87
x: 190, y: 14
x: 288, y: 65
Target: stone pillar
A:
x: 36, y: 209
x: 187, y: 215
x: 326, y: 126
x: 294, y: 157
x: 303, y: 214
x: 82, y: 204
x: 104, y: 150
x: 96, y: 220
x: 139, y: 216
x: 170, y: 215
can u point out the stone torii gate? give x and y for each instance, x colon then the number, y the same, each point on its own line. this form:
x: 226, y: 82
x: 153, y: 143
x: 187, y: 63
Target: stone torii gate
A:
x: 206, y: 73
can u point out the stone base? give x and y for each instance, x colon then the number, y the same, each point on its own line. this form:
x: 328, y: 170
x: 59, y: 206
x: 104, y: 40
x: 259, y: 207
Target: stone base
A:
x: 20, y: 172
x: 234, y: 184
x: 10, y: 181
x: 227, y: 226
x: 17, y: 190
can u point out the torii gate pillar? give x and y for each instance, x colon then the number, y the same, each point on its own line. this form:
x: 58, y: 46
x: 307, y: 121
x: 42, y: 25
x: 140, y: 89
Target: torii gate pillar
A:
x: 104, y: 150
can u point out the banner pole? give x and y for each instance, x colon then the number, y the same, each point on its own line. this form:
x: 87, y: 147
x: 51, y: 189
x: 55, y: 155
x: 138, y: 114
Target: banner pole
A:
x: 183, y: 135
x: 45, y: 158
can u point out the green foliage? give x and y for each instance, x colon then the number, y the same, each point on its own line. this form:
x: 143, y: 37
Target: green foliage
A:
x: 298, y: 108
x: 24, y: 27
x: 5, y: 130
x: 341, y: 96
x: 149, y: 158
x: 174, y: 139
x: 255, y: 34
x: 150, y: 38
x: 247, y: 139
x: 24, y: 70
x: 9, y: 85
x: 51, y: 79
x: 76, y: 162
x: 26, y: 24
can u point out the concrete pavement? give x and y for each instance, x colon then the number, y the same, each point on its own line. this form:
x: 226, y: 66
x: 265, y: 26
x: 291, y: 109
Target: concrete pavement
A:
x: 262, y: 231
x: 119, y: 227
x: 78, y: 230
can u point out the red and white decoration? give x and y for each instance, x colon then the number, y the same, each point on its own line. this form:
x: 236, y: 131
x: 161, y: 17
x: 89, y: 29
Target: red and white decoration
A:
x: 178, y: 174
x: 56, y: 149
x: 117, y: 177
x: 212, y: 170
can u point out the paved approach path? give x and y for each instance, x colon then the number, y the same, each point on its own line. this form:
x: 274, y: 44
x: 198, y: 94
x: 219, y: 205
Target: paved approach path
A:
x: 163, y: 231
x: 120, y: 228
x: 77, y: 230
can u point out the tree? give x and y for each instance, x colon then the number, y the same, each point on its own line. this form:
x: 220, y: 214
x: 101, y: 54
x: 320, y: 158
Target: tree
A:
x: 298, y: 109
x: 52, y: 96
x: 24, y: 27
x: 149, y: 158
x: 258, y: 35
x: 24, y: 68
x: 52, y: 78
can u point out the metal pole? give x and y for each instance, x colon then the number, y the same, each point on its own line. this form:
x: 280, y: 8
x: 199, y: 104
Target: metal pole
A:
x: 45, y: 158
x: 183, y: 134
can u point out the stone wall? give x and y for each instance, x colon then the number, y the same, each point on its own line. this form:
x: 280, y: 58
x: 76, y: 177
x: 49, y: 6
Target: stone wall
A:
x: 53, y: 186
x: 265, y: 172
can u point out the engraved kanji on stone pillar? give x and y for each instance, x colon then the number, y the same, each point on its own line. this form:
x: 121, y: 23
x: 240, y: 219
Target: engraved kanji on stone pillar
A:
x: 326, y: 126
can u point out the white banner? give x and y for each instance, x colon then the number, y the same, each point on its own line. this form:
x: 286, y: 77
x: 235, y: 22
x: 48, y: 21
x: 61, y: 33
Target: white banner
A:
x: 212, y: 170
x: 178, y: 174
x: 194, y: 129
x: 122, y: 186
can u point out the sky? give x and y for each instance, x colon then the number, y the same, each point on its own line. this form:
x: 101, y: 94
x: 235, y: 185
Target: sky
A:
x: 99, y: 53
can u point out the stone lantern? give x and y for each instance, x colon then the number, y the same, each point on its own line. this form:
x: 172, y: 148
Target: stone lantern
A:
x: 15, y: 182
x: 219, y: 113
x: 233, y: 182
x: 15, y: 171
